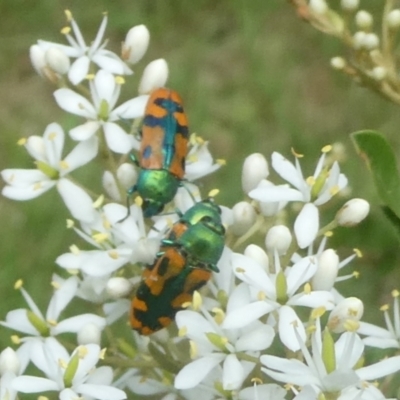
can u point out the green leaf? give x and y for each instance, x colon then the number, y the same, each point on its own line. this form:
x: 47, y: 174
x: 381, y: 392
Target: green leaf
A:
x: 375, y: 150
x: 393, y: 218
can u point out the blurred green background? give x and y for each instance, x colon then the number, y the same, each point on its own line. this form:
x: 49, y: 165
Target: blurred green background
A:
x: 254, y: 78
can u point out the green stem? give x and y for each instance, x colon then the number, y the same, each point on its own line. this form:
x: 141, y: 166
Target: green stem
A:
x: 255, y: 228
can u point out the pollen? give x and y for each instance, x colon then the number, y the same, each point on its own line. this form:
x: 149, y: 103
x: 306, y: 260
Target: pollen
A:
x: 15, y: 339
x: 328, y: 234
x: 113, y: 254
x: 74, y: 249
x: 98, y: 202
x: 307, y: 288
x: 213, y: 192
x: 326, y: 149
x: 55, y: 285
x: 64, y: 165
x: 68, y: 15
x: 70, y: 223
x: 356, y: 274
x: 139, y: 201
x: 395, y: 293
x: 221, y: 161
x: 100, y: 237
x: 22, y: 141
x: 90, y: 77
x: 119, y: 80
x: 385, y: 307
x: 66, y: 30
x: 358, y: 253
x: 103, y: 353
x: 297, y: 155
x: 18, y: 284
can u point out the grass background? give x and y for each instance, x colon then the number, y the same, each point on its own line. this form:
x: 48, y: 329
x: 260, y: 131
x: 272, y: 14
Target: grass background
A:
x: 254, y: 78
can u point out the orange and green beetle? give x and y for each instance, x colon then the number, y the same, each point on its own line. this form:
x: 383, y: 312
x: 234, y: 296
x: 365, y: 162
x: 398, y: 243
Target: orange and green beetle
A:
x: 191, y: 251
x: 163, y: 150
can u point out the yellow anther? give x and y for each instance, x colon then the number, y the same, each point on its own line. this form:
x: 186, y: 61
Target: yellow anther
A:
x: 68, y: 15
x: 220, y: 161
x: 63, y: 165
x: 193, y: 348
x: 37, y: 186
x: 310, y: 180
x: 52, y: 136
x: 70, y: 223
x: 15, y: 339
x: 240, y: 270
x: 98, y: 202
x: 385, y: 307
x: 41, y: 397
x: 213, y: 192
x: 297, y: 155
x: 52, y: 322
x: 62, y: 363
x: 22, y: 141
x: 74, y: 249
x: 138, y: 201
x: 311, y: 329
x: 307, y: 288
x: 257, y: 381
x: 356, y: 274
x: 182, y: 331
x: 100, y: 237
x: 395, y: 293
x: 82, y: 351
x: 334, y: 190
x: 66, y: 30
x: 55, y: 285
x: 119, y: 80
x: 318, y: 312
x: 192, y: 158
x: 328, y: 234
x: 113, y: 254
x: 261, y: 295
x: 103, y: 353
x: 197, y: 300
x: 219, y: 315
x: 358, y: 252
x: 186, y: 304
x: 327, y: 148
x: 18, y: 284
x: 351, y: 325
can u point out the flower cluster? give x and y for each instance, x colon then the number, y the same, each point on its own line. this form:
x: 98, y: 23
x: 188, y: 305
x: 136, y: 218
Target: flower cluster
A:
x: 271, y: 323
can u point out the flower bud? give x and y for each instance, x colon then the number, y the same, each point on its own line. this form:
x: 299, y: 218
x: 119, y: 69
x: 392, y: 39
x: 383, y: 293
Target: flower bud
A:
x: 393, y: 19
x: 89, y: 333
x: 9, y: 361
x: 347, y: 311
x: 154, y: 76
x: 255, y: 168
x: 136, y: 44
x: 338, y: 63
x: 364, y: 20
x: 371, y: 41
x: 244, y: 216
x: 118, y: 287
x: 37, y: 57
x: 110, y: 186
x: 279, y: 238
x: 328, y: 268
x: 352, y: 212
x: 379, y: 73
x: 127, y: 175
x: 257, y: 254
x: 358, y: 40
x: 350, y: 5
x: 57, y: 60
x: 318, y: 6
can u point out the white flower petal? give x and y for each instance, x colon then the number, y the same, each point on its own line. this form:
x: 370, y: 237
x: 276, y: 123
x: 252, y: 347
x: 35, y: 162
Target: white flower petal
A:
x: 18, y: 320
x: 287, y: 170
x: 77, y: 201
x: 288, y: 323
x: 101, y: 392
x: 301, y: 272
x: 256, y: 339
x: 84, y: 131
x: 264, y: 391
x: 79, y: 70
x: 243, y: 316
x: 233, y: 373
x: 74, y: 103
x: 306, y: 225
x: 272, y: 194
x: 104, y: 83
x: 100, y: 263
x: 193, y: 373
x: 195, y: 325
x: 29, y: 192
x: 54, y: 142
x: 133, y: 108
x: 111, y: 64
x: 380, y: 369
x: 76, y: 323
x: 117, y: 139
x: 33, y: 384
x: 82, y: 153
x: 317, y: 298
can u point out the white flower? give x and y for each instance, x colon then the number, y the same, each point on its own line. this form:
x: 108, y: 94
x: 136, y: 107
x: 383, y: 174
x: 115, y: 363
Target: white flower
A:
x: 265, y: 292
x: 84, y: 54
x: 26, y: 184
x: 33, y: 323
x: 329, y: 367
x: 136, y: 43
x: 254, y: 170
x: 314, y: 191
x: 212, y: 345
x: 381, y: 337
x: 118, y: 240
x: 154, y: 76
x: 105, y: 90
x: 73, y: 376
